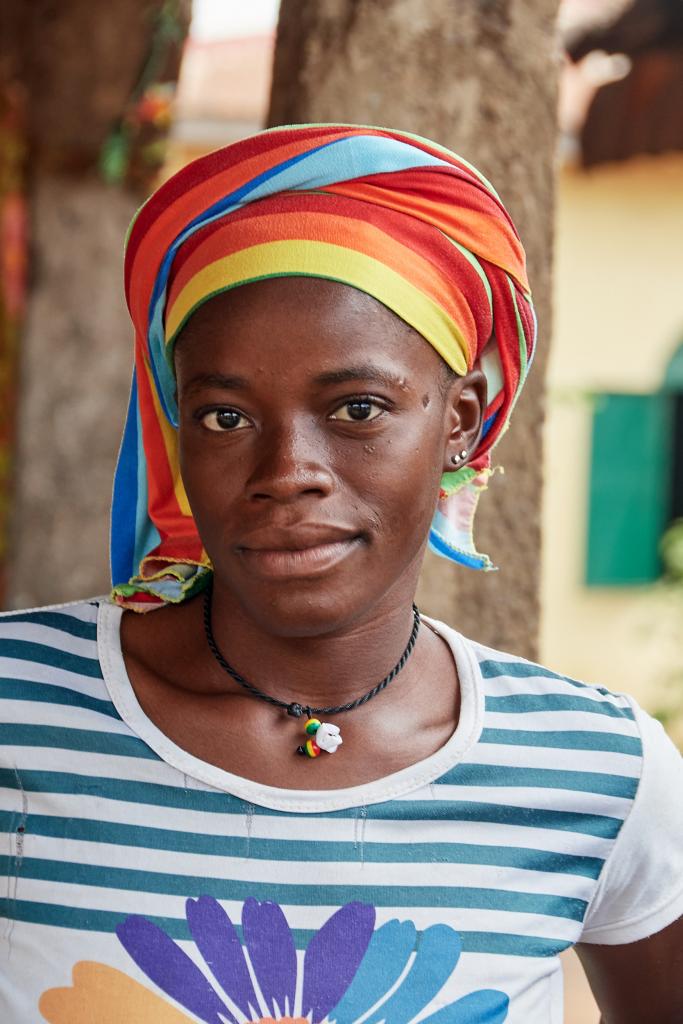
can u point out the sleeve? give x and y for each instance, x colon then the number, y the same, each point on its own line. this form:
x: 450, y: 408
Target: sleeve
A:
x: 640, y: 890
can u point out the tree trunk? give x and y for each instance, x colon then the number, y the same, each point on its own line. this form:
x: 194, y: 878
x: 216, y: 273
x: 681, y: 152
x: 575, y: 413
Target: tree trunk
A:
x: 97, y: 80
x: 76, y: 364
x: 480, y: 78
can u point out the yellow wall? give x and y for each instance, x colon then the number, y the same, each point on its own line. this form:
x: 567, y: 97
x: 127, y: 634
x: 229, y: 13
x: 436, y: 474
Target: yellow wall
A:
x: 618, y: 319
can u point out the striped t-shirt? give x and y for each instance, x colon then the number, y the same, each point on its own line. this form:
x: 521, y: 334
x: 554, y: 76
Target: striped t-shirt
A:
x: 145, y: 885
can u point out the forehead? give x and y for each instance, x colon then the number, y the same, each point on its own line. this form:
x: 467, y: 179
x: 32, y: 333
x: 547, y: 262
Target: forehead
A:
x: 299, y: 324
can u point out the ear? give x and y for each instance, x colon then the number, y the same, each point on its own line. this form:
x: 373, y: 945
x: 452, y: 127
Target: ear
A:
x: 463, y: 418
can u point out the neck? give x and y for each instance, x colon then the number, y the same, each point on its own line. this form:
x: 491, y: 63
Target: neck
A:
x: 328, y: 669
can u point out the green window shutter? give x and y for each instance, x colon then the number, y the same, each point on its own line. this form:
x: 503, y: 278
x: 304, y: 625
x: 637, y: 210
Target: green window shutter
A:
x: 629, y: 488
x: 673, y: 381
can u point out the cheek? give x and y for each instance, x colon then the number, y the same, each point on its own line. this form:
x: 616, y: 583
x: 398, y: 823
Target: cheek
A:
x: 192, y: 470
x: 401, y: 479
x: 203, y: 469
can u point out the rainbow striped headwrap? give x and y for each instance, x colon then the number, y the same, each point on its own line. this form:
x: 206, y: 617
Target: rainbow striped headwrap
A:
x: 389, y: 213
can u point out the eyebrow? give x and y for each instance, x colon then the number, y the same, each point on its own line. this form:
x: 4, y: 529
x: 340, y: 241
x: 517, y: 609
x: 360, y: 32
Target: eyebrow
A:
x: 215, y: 380
x: 365, y: 372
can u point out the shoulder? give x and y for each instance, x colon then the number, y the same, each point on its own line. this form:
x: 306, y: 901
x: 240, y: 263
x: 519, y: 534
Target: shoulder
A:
x: 51, y: 679
x: 59, y: 627
x: 517, y: 687
x: 550, y: 737
x: 529, y: 692
x: 590, y: 739
x: 54, y: 704
x: 594, y: 768
x: 55, y: 645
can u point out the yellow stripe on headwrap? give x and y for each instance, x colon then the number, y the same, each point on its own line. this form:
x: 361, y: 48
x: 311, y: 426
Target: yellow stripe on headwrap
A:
x: 323, y: 259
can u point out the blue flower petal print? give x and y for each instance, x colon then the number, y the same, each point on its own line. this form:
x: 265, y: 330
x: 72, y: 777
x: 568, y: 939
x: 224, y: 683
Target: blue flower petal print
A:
x: 380, y: 969
x: 350, y: 970
x: 487, y: 1006
x: 437, y: 955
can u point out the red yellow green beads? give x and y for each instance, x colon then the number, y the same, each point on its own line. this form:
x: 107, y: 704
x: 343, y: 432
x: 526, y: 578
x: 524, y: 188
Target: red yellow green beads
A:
x: 310, y: 747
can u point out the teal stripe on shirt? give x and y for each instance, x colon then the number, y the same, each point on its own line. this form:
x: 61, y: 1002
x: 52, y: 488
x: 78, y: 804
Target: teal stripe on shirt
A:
x: 85, y: 919
x: 47, y: 693
x: 521, y: 703
x: 130, y: 791
x: 55, y: 620
x: 53, y: 657
x: 91, y: 741
x: 574, y: 739
x: 146, y: 837
x: 404, y: 896
x: 526, y: 670
x: 600, y: 783
x: 488, y: 775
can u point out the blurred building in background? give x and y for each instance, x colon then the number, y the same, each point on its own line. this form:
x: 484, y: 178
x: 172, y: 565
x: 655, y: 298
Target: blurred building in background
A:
x: 612, y: 607
x: 225, y: 78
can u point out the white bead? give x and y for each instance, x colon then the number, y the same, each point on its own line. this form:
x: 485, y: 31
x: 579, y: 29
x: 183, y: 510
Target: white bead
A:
x: 328, y: 737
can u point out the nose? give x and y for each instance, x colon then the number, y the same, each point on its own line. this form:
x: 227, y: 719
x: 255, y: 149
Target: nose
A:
x: 291, y: 463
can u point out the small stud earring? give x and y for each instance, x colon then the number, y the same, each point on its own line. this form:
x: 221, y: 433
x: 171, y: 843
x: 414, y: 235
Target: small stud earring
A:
x: 456, y: 459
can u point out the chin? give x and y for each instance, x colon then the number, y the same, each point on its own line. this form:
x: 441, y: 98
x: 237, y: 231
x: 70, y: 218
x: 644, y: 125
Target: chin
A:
x: 298, y: 609
x: 325, y: 601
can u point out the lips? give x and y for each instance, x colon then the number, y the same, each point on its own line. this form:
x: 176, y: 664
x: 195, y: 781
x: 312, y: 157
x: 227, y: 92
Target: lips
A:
x: 302, y: 551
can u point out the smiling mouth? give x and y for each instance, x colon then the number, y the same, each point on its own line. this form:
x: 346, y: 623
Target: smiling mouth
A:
x: 278, y: 563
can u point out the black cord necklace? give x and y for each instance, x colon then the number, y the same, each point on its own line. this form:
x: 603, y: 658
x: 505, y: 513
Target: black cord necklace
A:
x: 320, y: 735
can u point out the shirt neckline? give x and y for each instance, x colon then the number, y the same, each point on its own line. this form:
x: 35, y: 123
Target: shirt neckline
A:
x: 388, y: 787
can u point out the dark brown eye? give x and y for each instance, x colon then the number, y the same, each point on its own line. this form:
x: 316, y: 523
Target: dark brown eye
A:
x: 358, y: 409
x: 224, y: 420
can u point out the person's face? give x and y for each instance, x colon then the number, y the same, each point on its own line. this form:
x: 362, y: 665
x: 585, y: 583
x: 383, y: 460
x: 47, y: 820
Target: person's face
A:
x: 314, y: 429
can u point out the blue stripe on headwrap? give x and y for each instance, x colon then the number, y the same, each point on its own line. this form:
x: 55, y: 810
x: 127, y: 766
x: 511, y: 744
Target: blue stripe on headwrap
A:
x: 125, y: 497
x: 440, y: 547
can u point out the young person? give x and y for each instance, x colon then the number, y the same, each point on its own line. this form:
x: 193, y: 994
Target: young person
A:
x: 282, y: 794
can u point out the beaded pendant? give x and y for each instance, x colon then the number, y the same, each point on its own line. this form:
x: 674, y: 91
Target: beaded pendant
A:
x: 320, y: 736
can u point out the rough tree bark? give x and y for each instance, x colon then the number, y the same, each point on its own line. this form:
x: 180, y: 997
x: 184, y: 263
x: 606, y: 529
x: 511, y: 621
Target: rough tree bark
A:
x: 480, y: 78
x: 79, y: 64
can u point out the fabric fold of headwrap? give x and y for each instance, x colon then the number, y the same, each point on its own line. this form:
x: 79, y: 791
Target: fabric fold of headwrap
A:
x: 394, y: 215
